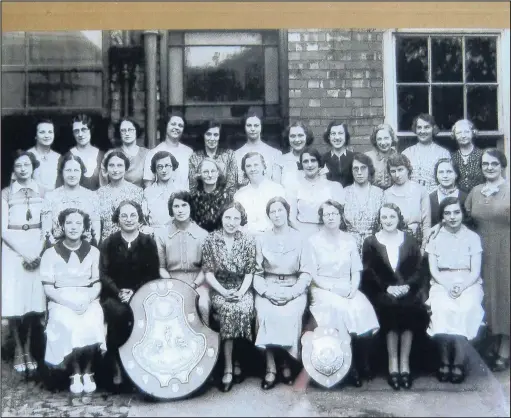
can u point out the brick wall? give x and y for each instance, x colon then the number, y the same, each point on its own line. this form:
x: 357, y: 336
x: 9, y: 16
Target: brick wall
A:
x: 336, y: 74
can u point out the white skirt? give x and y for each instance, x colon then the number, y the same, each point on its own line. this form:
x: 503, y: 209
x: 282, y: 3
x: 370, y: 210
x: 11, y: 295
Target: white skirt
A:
x: 461, y: 316
x: 66, y: 330
x: 355, y: 315
x: 280, y: 325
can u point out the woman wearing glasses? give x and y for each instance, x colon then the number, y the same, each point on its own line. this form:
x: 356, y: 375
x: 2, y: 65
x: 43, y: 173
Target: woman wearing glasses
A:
x: 488, y: 205
x: 127, y: 132
x: 156, y: 196
x: 90, y: 155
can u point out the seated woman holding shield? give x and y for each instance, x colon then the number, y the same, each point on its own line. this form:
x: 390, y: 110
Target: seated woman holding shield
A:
x: 129, y: 259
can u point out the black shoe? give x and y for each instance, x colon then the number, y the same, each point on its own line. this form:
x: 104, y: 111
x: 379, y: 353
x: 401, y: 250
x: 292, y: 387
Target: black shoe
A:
x: 393, y: 381
x: 238, y: 377
x: 268, y: 384
x: 226, y: 387
x: 457, y: 373
x: 355, y: 378
x: 442, y: 375
x: 289, y: 379
x: 405, y: 380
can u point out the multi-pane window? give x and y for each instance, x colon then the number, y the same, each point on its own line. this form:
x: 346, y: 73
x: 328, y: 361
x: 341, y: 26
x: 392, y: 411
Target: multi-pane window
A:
x: 52, y: 71
x: 450, y: 76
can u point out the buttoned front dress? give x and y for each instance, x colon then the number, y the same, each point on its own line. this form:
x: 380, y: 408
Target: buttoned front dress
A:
x: 281, y: 259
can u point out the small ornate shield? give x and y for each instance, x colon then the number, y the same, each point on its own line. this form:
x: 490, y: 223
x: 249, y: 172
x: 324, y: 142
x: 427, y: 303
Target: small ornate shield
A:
x: 326, y: 355
x: 170, y: 352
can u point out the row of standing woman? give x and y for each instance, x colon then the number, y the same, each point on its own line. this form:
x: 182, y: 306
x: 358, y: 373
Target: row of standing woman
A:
x: 269, y: 173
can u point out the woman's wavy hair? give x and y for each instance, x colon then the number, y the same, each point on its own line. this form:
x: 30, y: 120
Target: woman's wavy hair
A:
x: 315, y: 153
x: 326, y: 135
x: 383, y: 127
x: 117, y: 211
x: 451, y: 201
x: 185, y: 196
x: 396, y: 160
x: 69, y: 156
x: 239, y: 207
x: 284, y: 202
x: 454, y: 166
x: 221, y: 180
x: 401, y: 224
x: 338, y: 206
x: 210, y: 124
x: 309, y: 136
x: 366, y: 160
x: 85, y: 120
x: 117, y: 130
x: 118, y: 154
x: 68, y: 211
x: 160, y: 155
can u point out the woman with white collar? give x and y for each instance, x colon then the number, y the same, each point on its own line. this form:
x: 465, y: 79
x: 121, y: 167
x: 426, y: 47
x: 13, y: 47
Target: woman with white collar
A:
x: 256, y: 194
x: 25, y: 223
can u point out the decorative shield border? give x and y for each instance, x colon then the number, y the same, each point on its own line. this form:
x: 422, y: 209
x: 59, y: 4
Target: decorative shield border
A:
x: 326, y: 355
x: 180, y: 299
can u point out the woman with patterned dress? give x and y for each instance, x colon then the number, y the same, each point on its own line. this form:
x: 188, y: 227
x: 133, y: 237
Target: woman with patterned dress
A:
x: 25, y: 222
x: 310, y: 192
x: 393, y: 282
x: 180, y: 249
x: 384, y: 142
x: 284, y: 272
x: 127, y: 131
x: 335, y: 299
x: 424, y: 155
x: 488, y: 205
x: 363, y: 201
x: 338, y: 160
x: 228, y: 259
x: 272, y: 156
x: 73, y: 195
x: 129, y: 259
x: 298, y: 136
x: 467, y: 157
x: 447, y: 175
x: 411, y: 197
x: 456, y: 293
x: 75, y: 328
x: 255, y: 195
x: 210, y: 195
x: 156, y: 195
x: 117, y: 190
x: 46, y: 173
x: 90, y: 155
x: 214, y: 142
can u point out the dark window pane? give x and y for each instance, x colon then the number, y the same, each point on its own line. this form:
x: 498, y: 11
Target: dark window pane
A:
x: 220, y: 74
x: 73, y: 89
x: 412, y: 100
x: 481, y: 56
x: 446, y: 59
x: 13, y: 90
x: 412, y: 59
x: 65, y: 47
x: 447, y: 105
x: 482, y: 107
x: 13, y: 48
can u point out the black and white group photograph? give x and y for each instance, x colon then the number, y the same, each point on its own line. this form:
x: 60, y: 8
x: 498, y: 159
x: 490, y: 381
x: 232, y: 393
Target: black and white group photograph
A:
x: 286, y: 222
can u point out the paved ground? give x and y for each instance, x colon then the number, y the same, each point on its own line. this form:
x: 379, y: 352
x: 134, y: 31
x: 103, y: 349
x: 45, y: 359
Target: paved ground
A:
x: 483, y: 394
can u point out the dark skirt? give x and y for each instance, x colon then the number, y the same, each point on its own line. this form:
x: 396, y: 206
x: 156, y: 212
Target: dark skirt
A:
x: 119, y: 320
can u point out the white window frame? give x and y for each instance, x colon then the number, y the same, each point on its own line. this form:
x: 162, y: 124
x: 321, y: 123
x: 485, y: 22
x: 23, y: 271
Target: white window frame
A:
x: 503, y: 75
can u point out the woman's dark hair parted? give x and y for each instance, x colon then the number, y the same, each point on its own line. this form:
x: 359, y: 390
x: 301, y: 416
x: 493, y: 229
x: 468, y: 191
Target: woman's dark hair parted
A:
x: 366, y: 160
x: 69, y: 156
x: 340, y: 208
x: 84, y: 119
x: 326, y: 135
x: 117, y: 130
x: 309, y: 136
x: 66, y: 212
x: 20, y: 153
x: 239, y: 207
x: 315, y: 153
x: 401, y: 224
x: 185, y: 196
x: 117, y: 211
x: 118, y: 154
x: 454, y: 166
x: 160, y: 155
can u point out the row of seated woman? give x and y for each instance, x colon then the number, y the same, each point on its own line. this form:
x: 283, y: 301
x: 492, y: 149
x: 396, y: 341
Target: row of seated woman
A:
x: 258, y: 289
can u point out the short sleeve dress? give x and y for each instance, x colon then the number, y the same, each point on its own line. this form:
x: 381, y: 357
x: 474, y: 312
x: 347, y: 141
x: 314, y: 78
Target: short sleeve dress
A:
x: 230, y: 268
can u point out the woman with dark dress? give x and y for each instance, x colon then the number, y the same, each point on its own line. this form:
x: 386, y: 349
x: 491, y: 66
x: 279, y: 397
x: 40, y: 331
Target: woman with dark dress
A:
x: 129, y: 259
x: 338, y: 160
x: 447, y: 175
x: 393, y: 283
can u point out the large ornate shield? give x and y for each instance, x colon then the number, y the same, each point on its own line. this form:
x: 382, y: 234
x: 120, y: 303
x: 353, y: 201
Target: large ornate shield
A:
x: 326, y: 355
x: 170, y: 352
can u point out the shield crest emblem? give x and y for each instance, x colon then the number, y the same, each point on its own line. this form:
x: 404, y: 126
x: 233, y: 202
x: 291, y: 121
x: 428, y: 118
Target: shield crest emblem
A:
x: 170, y: 352
x: 326, y: 355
